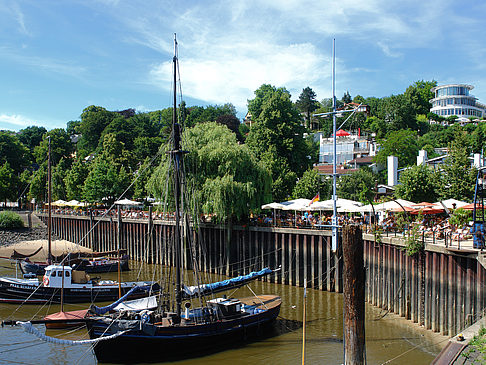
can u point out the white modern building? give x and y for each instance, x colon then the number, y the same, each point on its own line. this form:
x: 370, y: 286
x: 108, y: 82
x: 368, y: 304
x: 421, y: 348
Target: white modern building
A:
x: 454, y: 99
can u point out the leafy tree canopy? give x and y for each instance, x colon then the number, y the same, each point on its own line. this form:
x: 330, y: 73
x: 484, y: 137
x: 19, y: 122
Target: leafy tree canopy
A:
x: 31, y: 136
x: 262, y: 95
x: 8, y: 183
x: 358, y: 186
x: 61, y: 147
x: 225, y: 177
x: 458, y: 177
x: 94, y: 119
x: 418, y: 95
x: 417, y: 184
x: 402, y: 144
x: 307, y: 103
x: 277, y: 139
x: 13, y: 152
x: 74, y: 180
x: 105, y: 182
x: 233, y: 124
x: 310, y: 184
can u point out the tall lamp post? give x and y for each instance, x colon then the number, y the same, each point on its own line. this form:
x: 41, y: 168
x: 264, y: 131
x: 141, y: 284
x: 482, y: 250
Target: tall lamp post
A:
x: 359, y: 108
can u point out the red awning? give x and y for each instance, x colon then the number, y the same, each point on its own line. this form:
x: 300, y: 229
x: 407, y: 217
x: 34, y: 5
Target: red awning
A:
x: 342, y: 133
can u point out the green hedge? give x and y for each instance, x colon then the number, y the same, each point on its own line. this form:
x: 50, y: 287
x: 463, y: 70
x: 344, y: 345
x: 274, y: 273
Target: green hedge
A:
x: 10, y: 220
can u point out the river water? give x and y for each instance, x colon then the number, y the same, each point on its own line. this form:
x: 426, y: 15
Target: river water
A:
x: 389, y: 339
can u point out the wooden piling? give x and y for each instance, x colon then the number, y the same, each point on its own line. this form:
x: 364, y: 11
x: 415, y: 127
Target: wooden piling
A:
x: 353, y: 294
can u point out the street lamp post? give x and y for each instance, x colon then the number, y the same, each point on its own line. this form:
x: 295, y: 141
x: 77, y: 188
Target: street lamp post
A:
x: 334, y: 224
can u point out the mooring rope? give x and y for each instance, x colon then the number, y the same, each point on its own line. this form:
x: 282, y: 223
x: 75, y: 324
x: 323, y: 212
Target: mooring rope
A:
x: 29, y: 328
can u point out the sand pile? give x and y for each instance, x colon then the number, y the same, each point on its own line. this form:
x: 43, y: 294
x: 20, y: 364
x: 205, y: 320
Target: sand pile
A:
x: 27, y: 247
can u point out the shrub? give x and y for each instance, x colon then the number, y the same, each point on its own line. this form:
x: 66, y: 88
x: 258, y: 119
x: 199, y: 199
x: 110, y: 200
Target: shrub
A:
x: 10, y: 220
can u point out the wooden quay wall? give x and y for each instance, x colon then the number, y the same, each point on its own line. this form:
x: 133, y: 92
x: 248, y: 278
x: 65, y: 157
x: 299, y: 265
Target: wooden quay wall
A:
x: 441, y: 290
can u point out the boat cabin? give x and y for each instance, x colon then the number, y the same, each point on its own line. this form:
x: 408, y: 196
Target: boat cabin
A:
x: 227, y: 307
x: 54, y: 276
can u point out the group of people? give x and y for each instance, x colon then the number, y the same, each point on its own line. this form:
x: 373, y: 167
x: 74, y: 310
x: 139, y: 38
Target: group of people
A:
x: 435, y: 226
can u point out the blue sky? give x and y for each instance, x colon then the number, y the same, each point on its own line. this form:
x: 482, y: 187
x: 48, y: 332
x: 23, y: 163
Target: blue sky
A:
x: 58, y: 57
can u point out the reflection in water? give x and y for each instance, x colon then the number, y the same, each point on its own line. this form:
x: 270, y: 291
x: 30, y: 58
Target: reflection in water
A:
x: 387, y: 338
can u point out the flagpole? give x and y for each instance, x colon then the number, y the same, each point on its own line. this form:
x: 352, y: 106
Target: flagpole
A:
x: 334, y: 242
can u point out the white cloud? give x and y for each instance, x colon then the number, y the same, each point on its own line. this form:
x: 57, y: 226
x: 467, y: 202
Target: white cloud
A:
x: 43, y: 63
x: 12, y: 11
x: 17, y: 120
x: 223, y: 76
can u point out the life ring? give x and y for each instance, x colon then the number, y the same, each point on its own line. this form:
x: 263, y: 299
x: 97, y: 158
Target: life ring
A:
x: 46, y: 281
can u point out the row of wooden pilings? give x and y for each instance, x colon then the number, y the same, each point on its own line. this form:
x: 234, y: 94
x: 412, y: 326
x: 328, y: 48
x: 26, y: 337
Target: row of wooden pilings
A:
x: 439, y: 289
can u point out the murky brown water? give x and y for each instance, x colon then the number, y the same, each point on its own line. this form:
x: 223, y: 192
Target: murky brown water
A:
x: 387, y: 339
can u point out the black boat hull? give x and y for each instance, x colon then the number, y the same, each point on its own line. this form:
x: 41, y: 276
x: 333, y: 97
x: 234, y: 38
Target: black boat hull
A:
x: 20, y: 293
x: 181, y: 342
x: 39, y: 269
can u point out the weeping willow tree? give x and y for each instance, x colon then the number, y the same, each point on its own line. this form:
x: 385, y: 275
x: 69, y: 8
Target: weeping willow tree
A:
x: 222, y: 177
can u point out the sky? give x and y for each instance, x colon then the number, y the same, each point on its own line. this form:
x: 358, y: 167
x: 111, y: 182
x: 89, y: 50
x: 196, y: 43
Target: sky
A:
x: 59, y: 57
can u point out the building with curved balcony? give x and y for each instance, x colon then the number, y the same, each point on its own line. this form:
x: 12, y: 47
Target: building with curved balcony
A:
x: 455, y: 99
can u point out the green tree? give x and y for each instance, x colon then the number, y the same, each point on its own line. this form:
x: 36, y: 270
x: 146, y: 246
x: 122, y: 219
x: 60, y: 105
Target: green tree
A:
x: 223, y: 177
x: 346, y: 99
x: 142, y: 176
x: 397, y: 112
x: 13, y: 152
x: 307, y: 103
x: 310, y: 184
x: 38, y: 184
x: 61, y: 147
x: 358, y: 186
x: 402, y: 144
x: 144, y: 147
x: 478, y: 138
x: 417, y: 184
x: 233, y: 124
x: 262, y: 95
x: 199, y: 114
x: 458, y: 177
x: 31, y: 136
x: 104, y: 182
x: 377, y: 126
x: 276, y: 138
x: 58, y: 185
x: 72, y: 127
x: 94, y: 119
x: 8, y: 183
x: 418, y: 95
x: 74, y: 180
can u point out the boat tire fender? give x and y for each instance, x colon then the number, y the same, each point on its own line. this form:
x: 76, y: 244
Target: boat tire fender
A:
x: 45, y: 281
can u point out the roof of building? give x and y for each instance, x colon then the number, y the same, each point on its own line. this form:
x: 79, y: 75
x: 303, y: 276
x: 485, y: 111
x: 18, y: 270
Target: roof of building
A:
x: 470, y: 87
x: 362, y: 160
x: 327, y: 170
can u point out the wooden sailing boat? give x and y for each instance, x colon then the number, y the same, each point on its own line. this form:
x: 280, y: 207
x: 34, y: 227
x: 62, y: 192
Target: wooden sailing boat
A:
x: 169, y: 333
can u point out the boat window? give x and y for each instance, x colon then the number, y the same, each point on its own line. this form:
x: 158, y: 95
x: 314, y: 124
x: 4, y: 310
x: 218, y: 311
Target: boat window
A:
x: 59, y: 273
x: 67, y: 274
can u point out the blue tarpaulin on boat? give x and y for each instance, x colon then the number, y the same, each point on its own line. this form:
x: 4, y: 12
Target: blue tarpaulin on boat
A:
x: 229, y: 283
x: 106, y: 309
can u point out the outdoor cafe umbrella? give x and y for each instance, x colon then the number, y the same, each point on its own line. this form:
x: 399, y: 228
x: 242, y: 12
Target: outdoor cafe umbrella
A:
x: 59, y: 203
x: 127, y: 202
x: 345, y: 204
x: 387, y: 206
x: 272, y: 206
x: 451, y: 203
x: 296, y: 204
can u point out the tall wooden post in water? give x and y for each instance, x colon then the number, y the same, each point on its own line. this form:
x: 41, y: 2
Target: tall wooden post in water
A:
x: 354, y: 296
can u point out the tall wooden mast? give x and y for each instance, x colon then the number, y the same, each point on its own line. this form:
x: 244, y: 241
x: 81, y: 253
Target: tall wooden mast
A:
x: 49, y: 200
x: 176, y: 155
